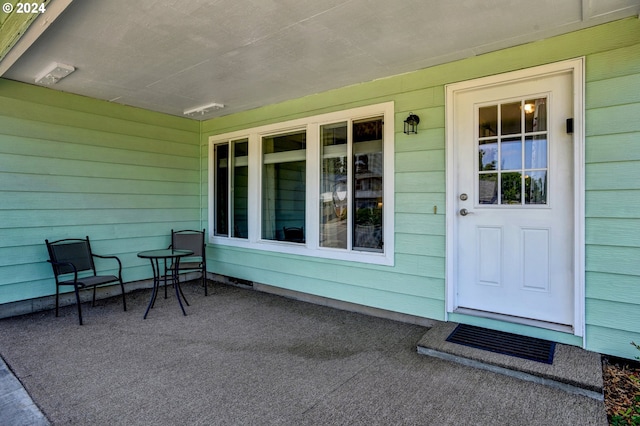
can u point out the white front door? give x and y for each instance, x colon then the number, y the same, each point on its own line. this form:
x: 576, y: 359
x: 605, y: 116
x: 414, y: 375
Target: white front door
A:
x: 513, y: 211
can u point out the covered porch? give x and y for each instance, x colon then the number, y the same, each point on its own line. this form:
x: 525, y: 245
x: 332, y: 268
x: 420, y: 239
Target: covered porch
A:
x: 125, y: 168
x: 248, y: 357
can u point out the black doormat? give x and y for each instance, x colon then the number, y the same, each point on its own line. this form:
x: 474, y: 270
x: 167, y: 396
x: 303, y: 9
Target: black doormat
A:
x: 504, y: 343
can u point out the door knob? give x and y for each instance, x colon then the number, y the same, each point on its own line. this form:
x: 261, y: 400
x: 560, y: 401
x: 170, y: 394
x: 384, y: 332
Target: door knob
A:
x: 464, y: 212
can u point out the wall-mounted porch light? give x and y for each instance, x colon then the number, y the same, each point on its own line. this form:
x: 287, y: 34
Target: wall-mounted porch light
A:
x: 411, y: 124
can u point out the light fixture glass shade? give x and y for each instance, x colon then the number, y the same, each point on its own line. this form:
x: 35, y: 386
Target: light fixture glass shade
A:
x: 411, y: 124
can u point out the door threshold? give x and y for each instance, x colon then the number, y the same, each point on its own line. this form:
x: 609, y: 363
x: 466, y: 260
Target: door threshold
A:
x: 564, y: 328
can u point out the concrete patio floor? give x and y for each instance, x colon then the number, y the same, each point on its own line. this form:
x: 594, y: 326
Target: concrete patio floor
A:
x: 245, y: 357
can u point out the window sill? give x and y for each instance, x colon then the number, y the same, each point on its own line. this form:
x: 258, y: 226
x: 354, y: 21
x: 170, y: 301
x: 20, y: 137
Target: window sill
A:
x: 284, y: 247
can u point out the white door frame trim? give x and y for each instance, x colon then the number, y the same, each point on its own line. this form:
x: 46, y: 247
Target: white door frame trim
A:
x: 576, y: 66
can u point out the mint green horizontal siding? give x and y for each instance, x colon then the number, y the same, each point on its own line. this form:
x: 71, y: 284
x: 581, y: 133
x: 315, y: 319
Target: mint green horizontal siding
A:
x: 613, y: 120
x: 429, y: 139
x: 607, y: 286
x: 606, y: 148
x: 420, y: 203
x: 620, y: 232
x: 414, y: 243
x: 417, y: 161
x: 298, y: 267
x: 59, y: 218
x: 619, y: 175
x: 612, y: 178
x: 419, y: 223
x: 417, y: 182
x: 613, y: 259
x: 614, y: 203
x: 615, y: 62
x: 418, y: 295
x: 612, y: 341
x: 614, y: 91
x: 71, y: 166
x: 100, y: 185
x: 63, y: 141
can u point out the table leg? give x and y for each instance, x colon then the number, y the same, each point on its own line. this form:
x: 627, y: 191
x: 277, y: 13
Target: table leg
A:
x: 177, y: 280
x: 176, y: 284
x: 156, y: 285
x: 165, y: 278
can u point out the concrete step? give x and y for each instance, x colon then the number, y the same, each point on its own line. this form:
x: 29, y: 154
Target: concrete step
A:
x: 574, y: 370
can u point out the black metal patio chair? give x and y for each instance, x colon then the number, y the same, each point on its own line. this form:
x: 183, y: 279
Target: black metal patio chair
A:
x: 191, y: 240
x: 73, y: 265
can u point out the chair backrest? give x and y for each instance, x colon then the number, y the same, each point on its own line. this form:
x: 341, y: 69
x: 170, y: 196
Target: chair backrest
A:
x: 188, y: 240
x: 293, y: 234
x: 71, y: 250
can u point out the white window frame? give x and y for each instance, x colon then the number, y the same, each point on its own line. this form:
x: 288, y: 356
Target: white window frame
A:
x: 311, y: 246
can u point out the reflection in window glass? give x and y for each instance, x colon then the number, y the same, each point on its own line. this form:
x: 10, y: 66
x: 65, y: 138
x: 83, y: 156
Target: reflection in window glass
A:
x: 511, y: 116
x: 535, y: 156
x: 240, y: 192
x: 535, y: 184
x: 511, y: 154
x: 221, y: 196
x: 368, y: 176
x: 488, y: 155
x: 237, y: 180
x: 488, y: 188
x: 511, y: 188
x: 333, y: 186
x: 535, y: 117
x: 488, y: 121
x: 283, y: 186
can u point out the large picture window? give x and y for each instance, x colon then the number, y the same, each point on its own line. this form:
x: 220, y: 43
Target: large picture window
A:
x: 320, y: 186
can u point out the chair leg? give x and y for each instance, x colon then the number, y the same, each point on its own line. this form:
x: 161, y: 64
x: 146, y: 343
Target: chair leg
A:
x: 93, y: 301
x: 75, y: 287
x: 204, y: 282
x: 124, y: 302
x: 57, y: 298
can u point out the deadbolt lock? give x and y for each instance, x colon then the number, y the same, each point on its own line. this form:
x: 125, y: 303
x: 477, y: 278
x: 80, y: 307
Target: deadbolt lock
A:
x: 463, y: 197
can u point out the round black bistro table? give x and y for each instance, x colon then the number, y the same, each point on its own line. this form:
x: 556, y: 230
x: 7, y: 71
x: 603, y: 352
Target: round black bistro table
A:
x: 173, y: 256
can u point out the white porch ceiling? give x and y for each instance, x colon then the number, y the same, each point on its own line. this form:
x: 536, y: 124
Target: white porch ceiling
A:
x: 172, y: 55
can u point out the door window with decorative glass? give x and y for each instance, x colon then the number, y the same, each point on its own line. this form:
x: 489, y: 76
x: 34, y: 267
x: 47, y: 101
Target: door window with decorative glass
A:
x: 512, y: 153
